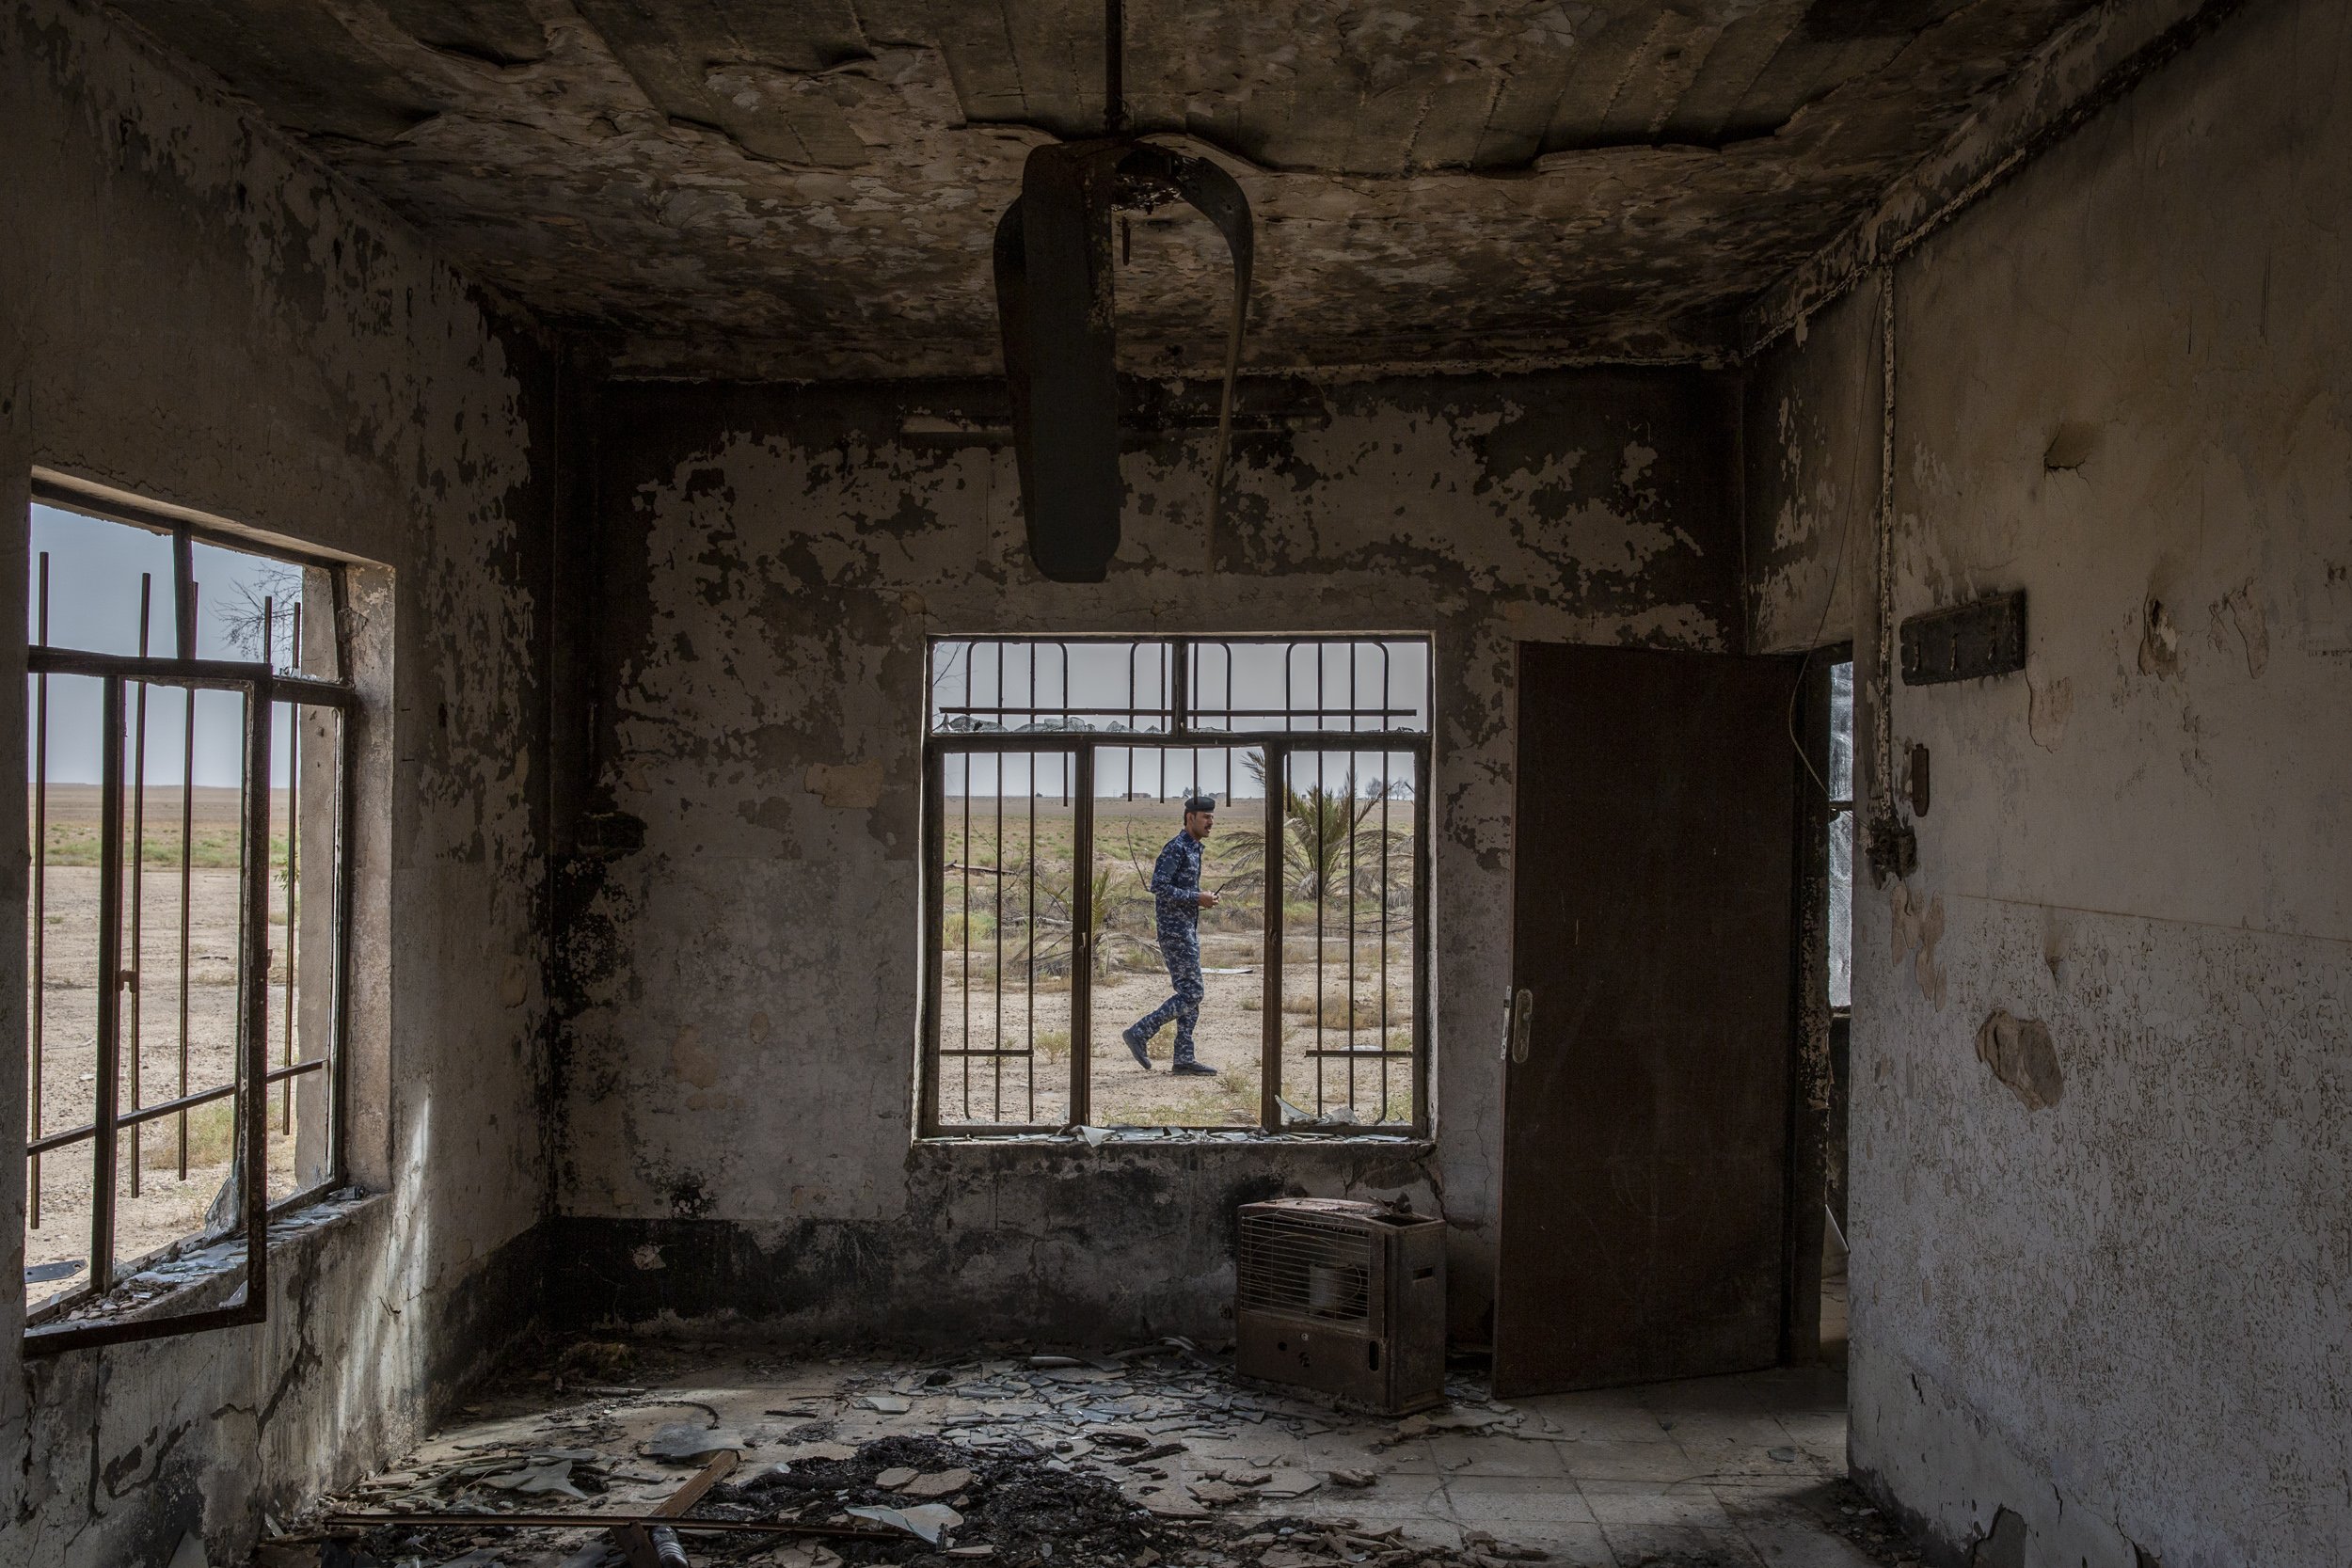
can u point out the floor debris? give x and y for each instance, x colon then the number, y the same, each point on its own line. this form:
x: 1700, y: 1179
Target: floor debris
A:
x: 682, y: 1443
x: 1153, y: 1458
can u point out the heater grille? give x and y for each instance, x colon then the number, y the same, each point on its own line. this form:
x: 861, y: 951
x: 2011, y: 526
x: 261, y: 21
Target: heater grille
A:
x: 1343, y: 1297
x: 1307, y: 1267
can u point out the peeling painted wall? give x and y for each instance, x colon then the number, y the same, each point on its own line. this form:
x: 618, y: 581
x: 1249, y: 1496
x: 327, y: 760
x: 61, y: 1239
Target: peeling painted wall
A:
x: 2103, y: 1290
x: 197, y: 315
x: 738, y: 1069
x: 1809, y: 452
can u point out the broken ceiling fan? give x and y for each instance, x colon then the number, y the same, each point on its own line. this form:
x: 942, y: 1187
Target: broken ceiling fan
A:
x: 1055, y: 306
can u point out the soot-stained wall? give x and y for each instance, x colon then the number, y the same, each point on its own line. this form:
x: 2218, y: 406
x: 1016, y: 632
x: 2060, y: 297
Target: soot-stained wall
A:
x: 742, y: 979
x: 198, y: 317
x: 2102, y: 1038
x: 1810, y: 458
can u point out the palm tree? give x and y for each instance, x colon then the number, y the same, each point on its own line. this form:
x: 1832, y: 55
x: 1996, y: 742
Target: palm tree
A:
x: 1050, y: 931
x: 1324, y: 834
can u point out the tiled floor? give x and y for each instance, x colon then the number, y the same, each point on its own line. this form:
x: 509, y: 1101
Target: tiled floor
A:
x: 1740, y: 1470
x: 1720, y: 1470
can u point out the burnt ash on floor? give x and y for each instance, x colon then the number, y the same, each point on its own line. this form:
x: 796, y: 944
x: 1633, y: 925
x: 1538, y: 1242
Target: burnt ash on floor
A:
x: 1157, y: 1457
x: 1017, y: 1502
x: 1025, y: 1506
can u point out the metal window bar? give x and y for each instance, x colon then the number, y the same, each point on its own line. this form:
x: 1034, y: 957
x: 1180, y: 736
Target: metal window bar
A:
x: 1004, y: 723
x: 138, y: 875
x: 58, y: 1329
x: 56, y: 1326
x: 60, y: 1325
x: 1275, y: 861
x: 187, y: 845
x: 1838, y: 880
x: 1321, y: 881
x: 1331, y: 848
x: 1000, y: 711
x: 40, y: 901
x: 984, y: 1072
x: 294, y: 865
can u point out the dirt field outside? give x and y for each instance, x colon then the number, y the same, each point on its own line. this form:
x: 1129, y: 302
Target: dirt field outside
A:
x: 166, y: 1207
x: 1005, y: 969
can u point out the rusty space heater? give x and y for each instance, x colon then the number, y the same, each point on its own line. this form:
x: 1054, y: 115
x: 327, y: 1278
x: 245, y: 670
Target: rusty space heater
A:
x: 1344, y: 1298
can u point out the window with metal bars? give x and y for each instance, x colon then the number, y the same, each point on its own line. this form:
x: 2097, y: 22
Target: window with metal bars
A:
x: 1055, y: 772
x: 1840, y: 790
x: 190, y: 805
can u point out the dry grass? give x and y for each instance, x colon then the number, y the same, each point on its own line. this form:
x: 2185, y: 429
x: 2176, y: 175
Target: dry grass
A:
x: 166, y: 1208
x: 1034, y: 904
x: 210, y: 1130
x: 1339, y: 1010
x: 214, y: 840
x: 1229, y: 1100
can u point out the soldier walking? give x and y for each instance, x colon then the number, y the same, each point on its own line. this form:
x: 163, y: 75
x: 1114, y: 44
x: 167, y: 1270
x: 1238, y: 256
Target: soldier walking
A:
x: 1178, y: 899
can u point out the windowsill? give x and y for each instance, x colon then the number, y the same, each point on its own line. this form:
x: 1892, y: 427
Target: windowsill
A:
x: 188, y: 1277
x: 1123, y: 1138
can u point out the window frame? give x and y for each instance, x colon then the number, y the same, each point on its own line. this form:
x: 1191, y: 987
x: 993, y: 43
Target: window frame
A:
x: 1184, y: 733
x: 52, y: 1330
x: 1840, y: 810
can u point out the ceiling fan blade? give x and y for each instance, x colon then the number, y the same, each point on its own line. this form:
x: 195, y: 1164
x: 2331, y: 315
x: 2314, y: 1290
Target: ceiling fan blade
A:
x: 1072, y: 493
x: 1219, y: 197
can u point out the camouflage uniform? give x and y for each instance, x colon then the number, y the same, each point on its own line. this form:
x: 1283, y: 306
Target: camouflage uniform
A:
x: 1176, y: 895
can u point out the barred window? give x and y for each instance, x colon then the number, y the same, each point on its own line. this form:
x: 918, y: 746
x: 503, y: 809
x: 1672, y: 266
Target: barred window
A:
x: 189, y: 782
x: 1055, y: 775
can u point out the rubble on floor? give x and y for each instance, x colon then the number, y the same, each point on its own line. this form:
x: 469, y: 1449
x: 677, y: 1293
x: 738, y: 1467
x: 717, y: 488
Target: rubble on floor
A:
x: 1156, y: 1456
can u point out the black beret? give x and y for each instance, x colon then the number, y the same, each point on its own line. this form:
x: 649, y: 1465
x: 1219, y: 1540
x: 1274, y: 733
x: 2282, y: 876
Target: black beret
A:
x: 1200, y: 802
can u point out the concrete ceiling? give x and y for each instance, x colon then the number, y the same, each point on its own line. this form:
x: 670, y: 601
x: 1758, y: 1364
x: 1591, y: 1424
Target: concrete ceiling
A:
x: 808, y: 190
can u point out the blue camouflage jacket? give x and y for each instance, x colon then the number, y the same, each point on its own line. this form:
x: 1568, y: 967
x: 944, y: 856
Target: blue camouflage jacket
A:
x: 1176, y: 881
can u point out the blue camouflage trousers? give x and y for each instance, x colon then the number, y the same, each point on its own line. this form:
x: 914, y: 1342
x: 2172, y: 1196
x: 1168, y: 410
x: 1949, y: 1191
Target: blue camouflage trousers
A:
x: 1180, y: 946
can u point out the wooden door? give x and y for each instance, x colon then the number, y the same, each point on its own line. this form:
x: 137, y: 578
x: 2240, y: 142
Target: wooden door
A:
x: 1646, y: 1084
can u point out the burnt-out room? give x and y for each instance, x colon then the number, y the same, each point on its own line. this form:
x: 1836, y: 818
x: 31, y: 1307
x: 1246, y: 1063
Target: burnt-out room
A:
x: 1151, y: 784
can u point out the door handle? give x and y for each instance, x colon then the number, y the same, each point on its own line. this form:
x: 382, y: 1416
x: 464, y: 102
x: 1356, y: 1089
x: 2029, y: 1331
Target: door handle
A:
x: 1522, y: 1019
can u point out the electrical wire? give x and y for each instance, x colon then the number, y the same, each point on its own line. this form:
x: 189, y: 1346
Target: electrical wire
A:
x: 1836, y: 575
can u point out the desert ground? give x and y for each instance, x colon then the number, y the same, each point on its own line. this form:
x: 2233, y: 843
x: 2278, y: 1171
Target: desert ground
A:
x: 159, y: 1206
x: 1006, y: 971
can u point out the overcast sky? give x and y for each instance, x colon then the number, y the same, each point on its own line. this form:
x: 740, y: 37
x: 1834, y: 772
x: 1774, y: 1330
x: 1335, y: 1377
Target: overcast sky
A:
x: 1240, y: 686
x: 94, y: 570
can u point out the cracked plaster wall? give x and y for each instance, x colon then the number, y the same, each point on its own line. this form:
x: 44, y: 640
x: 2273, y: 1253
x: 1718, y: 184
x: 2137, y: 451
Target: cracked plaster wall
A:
x: 2121, y: 384
x: 199, y: 316
x: 738, y: 1073
x: 1809, y: 450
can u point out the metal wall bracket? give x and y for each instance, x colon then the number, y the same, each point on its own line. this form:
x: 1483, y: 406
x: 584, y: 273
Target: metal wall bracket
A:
x: 1985, y: 637
x: 1893, y: 849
